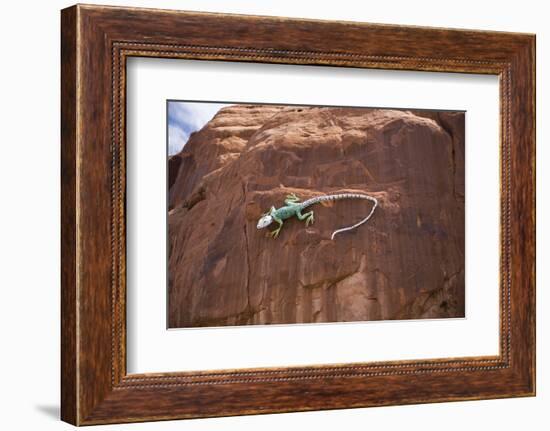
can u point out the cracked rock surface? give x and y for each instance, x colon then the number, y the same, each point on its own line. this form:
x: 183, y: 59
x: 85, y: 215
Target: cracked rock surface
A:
x: 407, y: 262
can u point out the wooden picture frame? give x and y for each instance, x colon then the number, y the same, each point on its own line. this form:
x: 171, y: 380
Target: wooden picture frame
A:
x: 96, y: 41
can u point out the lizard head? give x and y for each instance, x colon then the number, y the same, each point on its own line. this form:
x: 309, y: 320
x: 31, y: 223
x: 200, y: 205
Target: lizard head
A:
x: 265, y: 221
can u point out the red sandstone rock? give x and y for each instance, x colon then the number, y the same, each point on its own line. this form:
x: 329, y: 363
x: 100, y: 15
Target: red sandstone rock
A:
x: 407, y: 262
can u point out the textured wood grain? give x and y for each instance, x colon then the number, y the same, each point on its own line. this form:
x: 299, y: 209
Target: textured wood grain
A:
x: 96, y: 41
x: 69, y: 397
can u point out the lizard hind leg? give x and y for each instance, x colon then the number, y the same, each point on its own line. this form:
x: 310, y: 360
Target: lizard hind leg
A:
x: 308, y: 217
x: 291, y: 199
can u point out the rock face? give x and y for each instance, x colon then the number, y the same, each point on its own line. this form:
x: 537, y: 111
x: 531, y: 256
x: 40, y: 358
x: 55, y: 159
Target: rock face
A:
x: 407, y: 262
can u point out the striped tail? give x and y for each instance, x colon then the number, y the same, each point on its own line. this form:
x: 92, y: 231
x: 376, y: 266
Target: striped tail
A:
x: 339, y: 196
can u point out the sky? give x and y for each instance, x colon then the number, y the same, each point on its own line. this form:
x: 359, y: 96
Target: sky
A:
x: 185, y: 118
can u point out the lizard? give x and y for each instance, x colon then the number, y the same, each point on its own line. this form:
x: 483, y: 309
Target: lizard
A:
x: 293, y: 207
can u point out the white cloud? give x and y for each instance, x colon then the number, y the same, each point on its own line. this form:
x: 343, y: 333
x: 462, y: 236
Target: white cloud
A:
x: 177, y: 138
x: 185, y: 118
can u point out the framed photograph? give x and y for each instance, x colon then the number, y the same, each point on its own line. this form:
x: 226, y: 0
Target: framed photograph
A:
x: 263, y: 214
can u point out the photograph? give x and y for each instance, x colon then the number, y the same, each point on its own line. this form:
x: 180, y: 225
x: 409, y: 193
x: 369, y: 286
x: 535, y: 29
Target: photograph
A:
x: 300, y: 214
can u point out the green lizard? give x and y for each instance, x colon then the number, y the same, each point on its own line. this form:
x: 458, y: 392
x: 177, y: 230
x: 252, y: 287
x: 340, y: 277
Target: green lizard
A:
x: 293, y: 207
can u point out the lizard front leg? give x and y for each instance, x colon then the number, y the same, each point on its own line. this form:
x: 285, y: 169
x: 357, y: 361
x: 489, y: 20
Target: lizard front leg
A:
x: 308, y: 217
x: 275, y: 233
x: 269, y: 212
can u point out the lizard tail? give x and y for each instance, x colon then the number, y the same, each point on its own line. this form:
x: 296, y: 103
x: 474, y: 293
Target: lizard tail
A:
x: 345, y: 229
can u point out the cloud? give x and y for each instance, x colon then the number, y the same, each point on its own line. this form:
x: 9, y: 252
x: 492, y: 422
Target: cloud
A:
x: 177, y: 138
x: 185, y: 118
